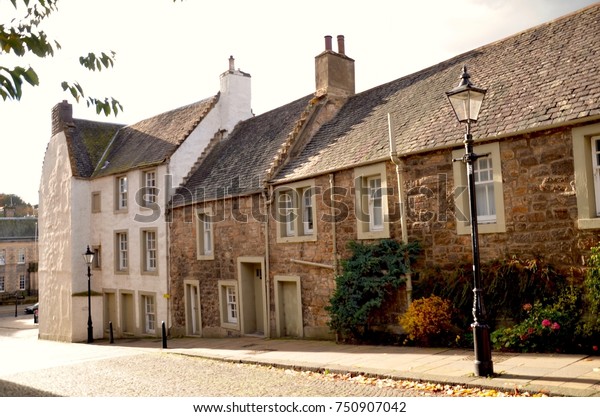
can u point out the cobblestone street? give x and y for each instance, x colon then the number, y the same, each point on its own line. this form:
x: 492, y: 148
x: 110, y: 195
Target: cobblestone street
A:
x: 171, y: 375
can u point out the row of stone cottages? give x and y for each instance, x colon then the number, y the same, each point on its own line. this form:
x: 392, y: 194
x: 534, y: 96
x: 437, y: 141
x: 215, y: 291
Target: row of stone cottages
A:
x: 239, y: 222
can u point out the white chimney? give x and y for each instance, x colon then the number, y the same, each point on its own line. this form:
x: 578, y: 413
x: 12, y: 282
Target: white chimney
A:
x: 235, y: 100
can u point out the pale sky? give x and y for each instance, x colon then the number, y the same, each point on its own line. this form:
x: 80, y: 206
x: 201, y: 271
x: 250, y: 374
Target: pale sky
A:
x: 170, y: 54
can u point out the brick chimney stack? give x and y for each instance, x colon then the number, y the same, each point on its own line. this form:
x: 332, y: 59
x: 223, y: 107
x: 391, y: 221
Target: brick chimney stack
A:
x: 334, y: 71
x: 62, y: 115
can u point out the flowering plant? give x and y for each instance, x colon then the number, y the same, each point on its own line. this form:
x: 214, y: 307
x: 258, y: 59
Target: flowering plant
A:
x: 544, y: 329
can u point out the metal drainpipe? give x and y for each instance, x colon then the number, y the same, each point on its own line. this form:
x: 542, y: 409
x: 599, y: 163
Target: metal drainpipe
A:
x: 267, y: 195
x: 333, y: 225
x: 399, y: 166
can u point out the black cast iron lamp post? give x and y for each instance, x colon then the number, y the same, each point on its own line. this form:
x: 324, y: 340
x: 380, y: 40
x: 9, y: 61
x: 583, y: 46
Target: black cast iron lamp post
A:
x: 466, y: 102
x: 89, y: 258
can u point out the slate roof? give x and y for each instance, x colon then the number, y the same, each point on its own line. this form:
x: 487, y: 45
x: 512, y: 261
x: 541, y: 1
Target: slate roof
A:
x: 87, y: 140
x: 536, y: 79
x: 151, y: 141
x: 18, y: 228
x: 238, y: 164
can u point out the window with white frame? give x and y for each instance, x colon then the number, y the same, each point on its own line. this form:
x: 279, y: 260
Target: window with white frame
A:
x: 489, y: 193
x: 2, y: 287
x: 296, y: 212
x: 228, y: 304
x: 595, y: 154
x: 121, y: 194
x: 586, y: 161
x: 371, y: 207
x: 2, y: 257
x: 21, y: 256
x: 22, y: 282
x: 483, y: 175
x: 232, y: 310
x: 149, y: 250
x: 375, y: 203
x: 122, y: 251
x: 150, y: 190
x: 204, y: 234
x: 307, y: 211
x: 289, y: 214
x: 149, y: 306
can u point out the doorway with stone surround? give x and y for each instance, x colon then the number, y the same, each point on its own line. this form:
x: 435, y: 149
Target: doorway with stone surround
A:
x: 253, y: 308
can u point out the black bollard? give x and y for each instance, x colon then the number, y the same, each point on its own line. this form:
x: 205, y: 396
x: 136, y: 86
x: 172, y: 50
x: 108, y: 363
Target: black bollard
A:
x: 164, y: 336
x: 110, y: 333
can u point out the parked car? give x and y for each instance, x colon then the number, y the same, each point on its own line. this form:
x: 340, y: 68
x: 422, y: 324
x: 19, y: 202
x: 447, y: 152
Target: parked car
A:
x: 31, y: 309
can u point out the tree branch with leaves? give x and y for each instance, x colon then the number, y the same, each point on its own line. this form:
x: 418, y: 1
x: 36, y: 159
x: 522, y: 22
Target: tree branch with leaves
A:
x: 22, y: 36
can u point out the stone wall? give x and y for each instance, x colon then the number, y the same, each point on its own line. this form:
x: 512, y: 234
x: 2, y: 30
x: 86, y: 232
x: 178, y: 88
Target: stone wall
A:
x: 238, y: 231
x: 539, y: 204
x: 540, y: 216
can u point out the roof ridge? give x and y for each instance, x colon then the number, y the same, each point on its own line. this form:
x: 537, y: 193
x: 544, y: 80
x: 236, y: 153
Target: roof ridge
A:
x: 293, y: 136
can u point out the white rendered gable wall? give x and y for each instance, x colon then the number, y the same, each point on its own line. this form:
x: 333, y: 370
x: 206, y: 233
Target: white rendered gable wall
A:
x: 234, y: 105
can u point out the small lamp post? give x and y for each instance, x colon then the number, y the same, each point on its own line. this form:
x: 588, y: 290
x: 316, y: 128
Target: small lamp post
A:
x: 89, y: 258
x: 466, y: 102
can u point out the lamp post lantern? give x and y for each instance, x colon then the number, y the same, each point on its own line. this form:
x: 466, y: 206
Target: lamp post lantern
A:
x: 89, y: 258
x: 466, y: 102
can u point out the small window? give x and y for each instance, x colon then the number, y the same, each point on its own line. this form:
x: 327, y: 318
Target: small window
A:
x: 21, y: 282
x: 228, y: 304
x: 484, y: 190
x: 204, y: 231
x: 150, y: 189
x: 122, y: 251
x: 149, y: 314
x: 586, y: 161
x: 487, y: 176
x: 149, y: 248
x: 375, y: 204
x: 232, y: 313
x: 97, y: 262
x: 307, y: 211
x: 21, y: 256
x: 371, y: 207
x: 2, y: 288
x: 596, y: 170
x: 121, y: 194
x: 296, y: 212
x: 96, y: 202
x: 2, y: 257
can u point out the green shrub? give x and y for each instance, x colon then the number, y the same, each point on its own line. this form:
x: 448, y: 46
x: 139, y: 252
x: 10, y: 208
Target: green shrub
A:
x: 370, y: 275
x: 428, y: 322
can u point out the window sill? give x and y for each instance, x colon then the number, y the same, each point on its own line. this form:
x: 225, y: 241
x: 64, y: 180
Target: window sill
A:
x: 295, y: 239
x: 588, y: 223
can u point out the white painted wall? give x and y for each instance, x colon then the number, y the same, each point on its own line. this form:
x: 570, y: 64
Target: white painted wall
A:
x: 64, y: 217
x: 67, y: 226
x: 107, y: 222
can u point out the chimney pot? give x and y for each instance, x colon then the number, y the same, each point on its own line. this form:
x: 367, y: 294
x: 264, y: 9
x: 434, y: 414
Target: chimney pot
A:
x: 341, y: 48
x: 328, y: 43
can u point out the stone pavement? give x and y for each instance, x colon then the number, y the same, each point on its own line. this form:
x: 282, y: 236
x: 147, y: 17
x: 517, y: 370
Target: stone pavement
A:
x: 554, y: 374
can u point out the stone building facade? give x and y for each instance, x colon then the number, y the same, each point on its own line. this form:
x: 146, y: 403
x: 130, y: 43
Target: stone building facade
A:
x: 381, y: 165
